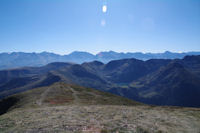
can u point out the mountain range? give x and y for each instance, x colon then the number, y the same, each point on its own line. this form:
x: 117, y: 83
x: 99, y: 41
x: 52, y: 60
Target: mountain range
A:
x: 21, y: 59
x: 118, y: 96
x: 173, y: 82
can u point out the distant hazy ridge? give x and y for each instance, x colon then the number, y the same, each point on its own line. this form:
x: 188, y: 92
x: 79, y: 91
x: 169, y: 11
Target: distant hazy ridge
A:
x: 20, y: 59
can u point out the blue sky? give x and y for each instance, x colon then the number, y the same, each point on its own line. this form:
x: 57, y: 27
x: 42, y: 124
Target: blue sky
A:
x: 63, y: 26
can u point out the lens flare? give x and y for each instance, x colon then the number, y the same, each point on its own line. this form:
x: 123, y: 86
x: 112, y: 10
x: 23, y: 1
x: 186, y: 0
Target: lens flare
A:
x: 104, y: 8
x: 103, y: 22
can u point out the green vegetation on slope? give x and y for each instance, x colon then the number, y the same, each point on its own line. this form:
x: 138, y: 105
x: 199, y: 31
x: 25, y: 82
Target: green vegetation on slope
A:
x: 62, y: 94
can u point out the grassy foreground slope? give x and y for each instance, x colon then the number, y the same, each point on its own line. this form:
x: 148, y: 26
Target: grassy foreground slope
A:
x: 70, y: 108
x: 63, y: 94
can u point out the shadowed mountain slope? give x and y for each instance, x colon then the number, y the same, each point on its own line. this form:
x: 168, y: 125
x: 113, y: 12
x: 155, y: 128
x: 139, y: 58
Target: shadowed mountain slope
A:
x: 171, y: 85
x: 127, y: 70
x: 156, y: 81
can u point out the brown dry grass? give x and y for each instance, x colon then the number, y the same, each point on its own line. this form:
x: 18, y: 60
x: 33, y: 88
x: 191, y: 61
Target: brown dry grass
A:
x: 69, y: 108
x: 102, y: 118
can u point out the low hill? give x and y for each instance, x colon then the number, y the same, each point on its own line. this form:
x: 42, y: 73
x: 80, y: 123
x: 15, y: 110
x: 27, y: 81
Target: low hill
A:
x: 61, y: 94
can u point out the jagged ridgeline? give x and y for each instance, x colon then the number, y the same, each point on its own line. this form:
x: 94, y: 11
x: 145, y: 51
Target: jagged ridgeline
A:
x: 21, y: 59
x: 156, y: 81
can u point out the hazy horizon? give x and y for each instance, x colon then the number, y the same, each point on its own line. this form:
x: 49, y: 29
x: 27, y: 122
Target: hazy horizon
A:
x: 101, y: 52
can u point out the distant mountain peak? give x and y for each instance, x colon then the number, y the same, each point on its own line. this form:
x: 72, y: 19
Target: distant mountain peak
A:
x: 80, y: 52
x: 167, y: 52
x: 98, y: 63
x: 21, y: 59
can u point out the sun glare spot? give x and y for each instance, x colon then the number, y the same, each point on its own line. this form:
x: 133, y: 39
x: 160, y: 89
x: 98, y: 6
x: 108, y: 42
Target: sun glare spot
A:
x: 103, y: 23
x: 104, y: 9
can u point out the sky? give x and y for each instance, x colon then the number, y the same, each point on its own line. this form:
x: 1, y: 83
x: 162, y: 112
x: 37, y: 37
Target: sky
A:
x: 63, y: 26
